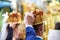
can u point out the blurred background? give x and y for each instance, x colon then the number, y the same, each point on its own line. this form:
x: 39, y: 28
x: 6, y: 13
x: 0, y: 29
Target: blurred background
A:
x: 50, y: 8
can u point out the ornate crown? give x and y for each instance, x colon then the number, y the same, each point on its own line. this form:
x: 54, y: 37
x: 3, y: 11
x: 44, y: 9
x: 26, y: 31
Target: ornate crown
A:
x: 16, y: 15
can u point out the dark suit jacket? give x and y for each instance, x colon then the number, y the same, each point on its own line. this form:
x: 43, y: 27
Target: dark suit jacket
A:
x: 30, y: 33
x: 10, y: 33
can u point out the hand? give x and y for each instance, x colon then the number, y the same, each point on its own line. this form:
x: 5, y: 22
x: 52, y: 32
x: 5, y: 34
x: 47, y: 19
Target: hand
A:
x: 13, y: 24
x: 29, y: 19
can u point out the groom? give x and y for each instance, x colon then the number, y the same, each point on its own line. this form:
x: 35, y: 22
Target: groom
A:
x: 30, y: 32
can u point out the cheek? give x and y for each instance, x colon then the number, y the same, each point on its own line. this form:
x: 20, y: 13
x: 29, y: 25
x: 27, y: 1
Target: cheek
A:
x: 25, y: 20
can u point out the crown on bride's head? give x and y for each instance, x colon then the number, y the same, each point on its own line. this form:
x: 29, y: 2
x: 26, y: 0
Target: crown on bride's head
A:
x: 14, y: 16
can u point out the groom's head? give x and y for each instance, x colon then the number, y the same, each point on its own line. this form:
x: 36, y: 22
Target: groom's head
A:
x: 57, y: 26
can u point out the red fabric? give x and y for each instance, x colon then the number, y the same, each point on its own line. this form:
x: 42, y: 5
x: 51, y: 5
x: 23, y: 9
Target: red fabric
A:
x: 41, y: 13
x: 34, y: 12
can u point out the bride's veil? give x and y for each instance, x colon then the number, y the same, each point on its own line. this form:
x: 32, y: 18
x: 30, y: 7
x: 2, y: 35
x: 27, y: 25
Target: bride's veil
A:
x: 4, y: 26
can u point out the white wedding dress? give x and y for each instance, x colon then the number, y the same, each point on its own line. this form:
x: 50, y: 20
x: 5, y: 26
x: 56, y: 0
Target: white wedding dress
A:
x: 4, y: 26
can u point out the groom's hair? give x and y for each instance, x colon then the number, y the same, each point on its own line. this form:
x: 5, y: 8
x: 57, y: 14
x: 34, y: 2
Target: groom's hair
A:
x: 57, y: 26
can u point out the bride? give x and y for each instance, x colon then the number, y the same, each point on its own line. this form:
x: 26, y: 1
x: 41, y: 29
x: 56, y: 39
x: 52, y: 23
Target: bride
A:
x: 17, y: 30
x: 7, y: 25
